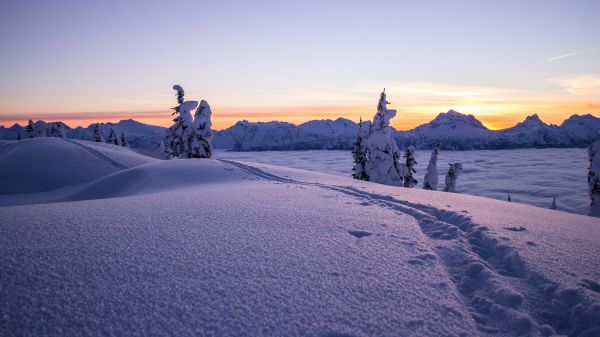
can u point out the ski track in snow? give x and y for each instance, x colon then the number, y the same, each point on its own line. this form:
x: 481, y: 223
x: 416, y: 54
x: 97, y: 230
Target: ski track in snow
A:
x: 98, y: 154
x: 501, y: 292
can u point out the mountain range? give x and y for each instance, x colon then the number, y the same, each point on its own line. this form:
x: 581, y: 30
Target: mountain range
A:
x: 452, y: 129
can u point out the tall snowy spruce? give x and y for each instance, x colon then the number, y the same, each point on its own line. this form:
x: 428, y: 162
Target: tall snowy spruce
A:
x: 594, y: 178
x: 179, y: 135
x: 359, y: 153
x: 202, y: 133
x: 430, y: 181
x: 98, y: 137
x: 452, y: 176
x: 382, y: 164
x: 124, y: 141
x: 410, y: 162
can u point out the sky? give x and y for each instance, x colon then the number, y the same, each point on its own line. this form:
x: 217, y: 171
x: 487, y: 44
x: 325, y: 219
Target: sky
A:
x: 86, y: 61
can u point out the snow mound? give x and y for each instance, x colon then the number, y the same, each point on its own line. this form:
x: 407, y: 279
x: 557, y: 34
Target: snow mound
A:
x: 43, y: 164
x: 160, y: 176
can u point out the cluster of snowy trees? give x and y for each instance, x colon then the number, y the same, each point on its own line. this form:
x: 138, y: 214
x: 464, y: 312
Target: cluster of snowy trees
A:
x: 189, y: 137
x: 34, y: 131
x: 377, y: 156
x: 112, y: 138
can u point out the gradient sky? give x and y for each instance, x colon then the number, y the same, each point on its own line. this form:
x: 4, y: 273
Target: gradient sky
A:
x: 84, y: 61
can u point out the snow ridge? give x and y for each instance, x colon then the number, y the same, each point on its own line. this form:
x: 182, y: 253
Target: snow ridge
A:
x: 502, y: 293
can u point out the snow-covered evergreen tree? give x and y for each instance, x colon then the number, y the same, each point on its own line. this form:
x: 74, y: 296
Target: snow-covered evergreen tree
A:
x: 553, y: 206
x: 430, y: 181
x: 112, y: 138
x: 98, y: 137
x: 359, y: 153
x: 594, y: 178
x: 29, y: 129
x: 202, y: 133
x: 452, y: 176
x: 382, y: 160
x: 180, y: 134
x: 508, y: 198
x: 19, y: 135
x: 124, y: 141
x: 410, y: 162
x: 60, y: 130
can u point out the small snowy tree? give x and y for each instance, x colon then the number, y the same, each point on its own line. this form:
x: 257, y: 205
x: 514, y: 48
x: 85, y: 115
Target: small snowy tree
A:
x: 98, y: 137
x: 112, y: 139
x: 382, y: 160
x: 29, y: 129
x: 594, y: 178
x: 410, y: 162
x: 359, y: 153
x: 60, y: 130
x: 202, y: 133
x: 508, y: 198
x: 124, y: 141
x: 553, y: 206
x: 430, y: 181
x: 19, y: 135
x: 452, y: 176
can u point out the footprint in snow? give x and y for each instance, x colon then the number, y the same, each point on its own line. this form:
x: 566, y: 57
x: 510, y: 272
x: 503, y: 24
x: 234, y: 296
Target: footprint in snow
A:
x: 516, y: 229
x: 359, y: 234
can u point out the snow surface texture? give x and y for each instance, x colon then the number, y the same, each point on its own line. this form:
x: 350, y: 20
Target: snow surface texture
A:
x: 541, y: 175
x: 223, y: 248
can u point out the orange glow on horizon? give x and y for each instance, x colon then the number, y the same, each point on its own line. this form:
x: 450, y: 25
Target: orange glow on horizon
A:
x: 408, y: 117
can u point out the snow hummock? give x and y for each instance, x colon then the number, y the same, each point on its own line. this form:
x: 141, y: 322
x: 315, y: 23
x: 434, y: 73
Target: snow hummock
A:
x: 229, y: 248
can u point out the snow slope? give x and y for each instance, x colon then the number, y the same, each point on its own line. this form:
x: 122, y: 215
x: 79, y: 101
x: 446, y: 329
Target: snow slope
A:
x: 243, y: 249
x: 49, y: 163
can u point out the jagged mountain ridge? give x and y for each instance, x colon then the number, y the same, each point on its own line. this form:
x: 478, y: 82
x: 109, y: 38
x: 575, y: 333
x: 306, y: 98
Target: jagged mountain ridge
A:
x: 452, y: 129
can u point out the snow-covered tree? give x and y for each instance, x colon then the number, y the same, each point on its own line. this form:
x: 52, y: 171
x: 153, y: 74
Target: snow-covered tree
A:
x: 19, y: 135
x: 29, y: 129
x: 98, y: 137
x: 508, y: 198
x: 124, y: 141
x: 60, y: 130
x: 202, y: 133
x: 594, y: 178
x: 452, y: 176
x: 359, y: 153
x: 553, y: 206
x: 112, y: 138
x: 410, y: 162
x: 382, y: 160
x: 179, y: 135
x: 430, y: 181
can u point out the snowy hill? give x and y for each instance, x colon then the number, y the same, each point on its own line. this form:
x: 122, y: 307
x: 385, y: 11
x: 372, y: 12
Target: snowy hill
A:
x: 41, y: 164
x: 208, y: 247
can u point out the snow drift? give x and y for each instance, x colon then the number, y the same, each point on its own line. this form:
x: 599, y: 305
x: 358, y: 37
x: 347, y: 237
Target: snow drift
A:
x: 41, y: 164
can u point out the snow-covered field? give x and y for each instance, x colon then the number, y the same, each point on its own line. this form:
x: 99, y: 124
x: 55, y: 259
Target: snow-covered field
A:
x: 140, y: 246
x: 530, y: 176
